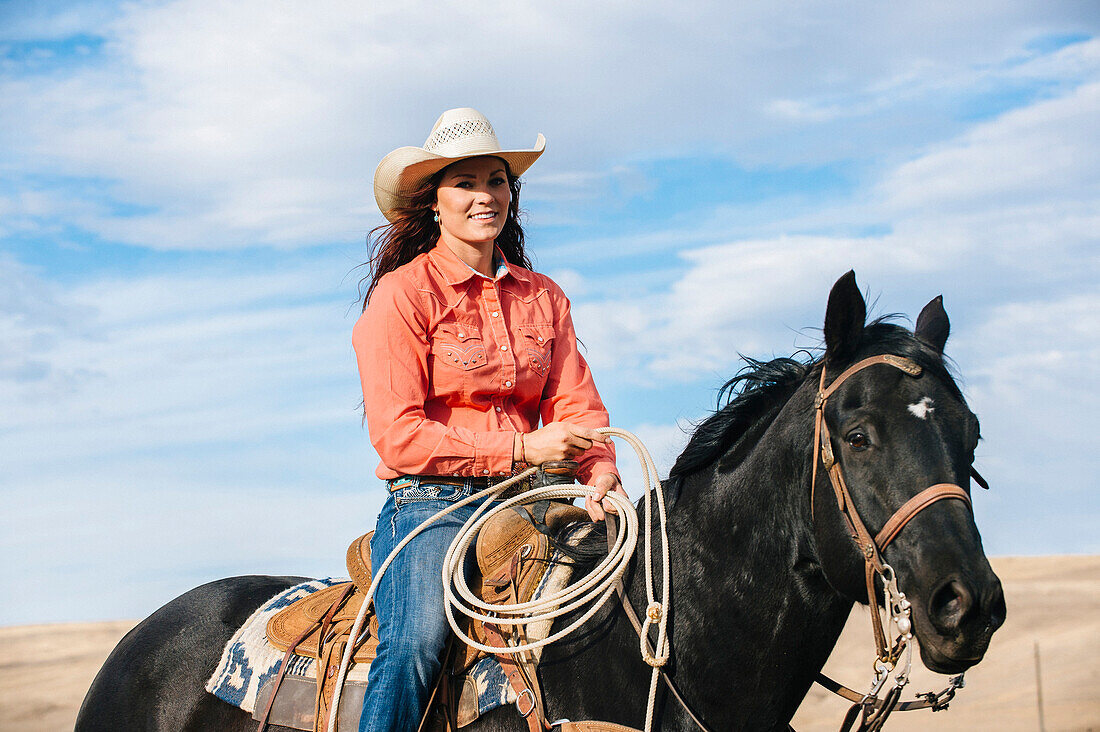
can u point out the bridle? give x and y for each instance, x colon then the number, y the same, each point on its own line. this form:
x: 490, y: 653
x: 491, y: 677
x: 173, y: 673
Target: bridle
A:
x: 874, y: 710
x: 870, y: 548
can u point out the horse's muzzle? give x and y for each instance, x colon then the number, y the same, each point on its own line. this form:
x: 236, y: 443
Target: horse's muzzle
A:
x: 962, y: 617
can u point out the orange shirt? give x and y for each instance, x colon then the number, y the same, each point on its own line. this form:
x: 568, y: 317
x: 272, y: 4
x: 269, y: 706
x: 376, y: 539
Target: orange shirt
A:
x: 454, y: 363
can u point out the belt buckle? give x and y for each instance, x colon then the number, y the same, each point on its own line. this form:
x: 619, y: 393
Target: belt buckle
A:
x: 404, y: 481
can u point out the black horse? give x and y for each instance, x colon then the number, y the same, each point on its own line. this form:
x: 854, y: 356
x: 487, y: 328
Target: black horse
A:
x: 761, y: 587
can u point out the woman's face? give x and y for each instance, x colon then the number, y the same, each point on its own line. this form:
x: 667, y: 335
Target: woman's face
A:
x: 472, y: 200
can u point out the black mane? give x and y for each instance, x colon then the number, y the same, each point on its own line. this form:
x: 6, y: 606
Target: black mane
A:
x: 752, y: 399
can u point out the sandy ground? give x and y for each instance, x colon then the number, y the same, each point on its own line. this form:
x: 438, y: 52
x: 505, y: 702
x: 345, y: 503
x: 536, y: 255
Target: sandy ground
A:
x: 45, y: 670
x: 1052, y: 601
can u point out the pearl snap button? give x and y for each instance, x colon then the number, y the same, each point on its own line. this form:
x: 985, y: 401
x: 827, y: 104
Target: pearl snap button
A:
x: 498, y: 409
x: 495, y: 313
x: 504, y: 348
x: 461, y: 335
x: 540, y: 339
x: 486, y: 471
x: 507, y: 383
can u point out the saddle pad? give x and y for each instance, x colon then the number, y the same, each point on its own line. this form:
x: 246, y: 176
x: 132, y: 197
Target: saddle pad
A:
x: 249, y: 659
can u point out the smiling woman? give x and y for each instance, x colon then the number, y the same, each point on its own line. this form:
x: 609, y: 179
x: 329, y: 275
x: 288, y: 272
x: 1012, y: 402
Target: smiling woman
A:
x: 471, y: 207
x: 462, y: 351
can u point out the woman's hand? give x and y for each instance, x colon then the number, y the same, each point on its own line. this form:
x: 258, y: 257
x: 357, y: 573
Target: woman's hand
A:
x: 557, y: 441
x: 565, y: 441
x: 595, y: 505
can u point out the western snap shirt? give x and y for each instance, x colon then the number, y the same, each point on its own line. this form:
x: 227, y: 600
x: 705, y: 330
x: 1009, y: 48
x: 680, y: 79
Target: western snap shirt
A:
x: 454, y: 363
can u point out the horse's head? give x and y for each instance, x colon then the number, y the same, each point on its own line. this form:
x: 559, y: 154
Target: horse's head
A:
x: 893, y: 435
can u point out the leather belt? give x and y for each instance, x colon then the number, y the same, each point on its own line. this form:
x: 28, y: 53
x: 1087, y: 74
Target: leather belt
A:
x: 475, y: 483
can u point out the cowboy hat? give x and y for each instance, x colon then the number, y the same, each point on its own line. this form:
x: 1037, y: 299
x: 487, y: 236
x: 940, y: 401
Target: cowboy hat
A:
x: 457, y: 134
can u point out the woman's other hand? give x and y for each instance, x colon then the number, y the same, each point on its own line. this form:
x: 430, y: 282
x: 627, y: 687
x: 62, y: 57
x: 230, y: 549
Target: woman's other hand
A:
x: 596, y: 505
x: 558, y: 441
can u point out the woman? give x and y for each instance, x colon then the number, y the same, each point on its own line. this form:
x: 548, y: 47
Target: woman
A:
x: 462, y: 349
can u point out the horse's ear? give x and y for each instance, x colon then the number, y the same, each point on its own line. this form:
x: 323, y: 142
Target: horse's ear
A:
x: 844, y: 319
x: 933, y: 327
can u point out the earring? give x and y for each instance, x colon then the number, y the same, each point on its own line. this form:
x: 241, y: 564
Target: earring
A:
x: 435, y: 217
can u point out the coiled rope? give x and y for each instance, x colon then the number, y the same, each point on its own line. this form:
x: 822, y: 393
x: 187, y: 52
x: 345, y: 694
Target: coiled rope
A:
x: 597, y: 587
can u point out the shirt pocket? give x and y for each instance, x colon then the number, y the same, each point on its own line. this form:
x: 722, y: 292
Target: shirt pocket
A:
x: 538, y: 343
x: 458, y: 346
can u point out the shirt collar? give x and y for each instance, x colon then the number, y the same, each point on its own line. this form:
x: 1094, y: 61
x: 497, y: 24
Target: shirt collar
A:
x: 455, y: 271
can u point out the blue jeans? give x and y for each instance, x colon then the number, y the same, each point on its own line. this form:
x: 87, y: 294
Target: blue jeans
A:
x: 412, y: 629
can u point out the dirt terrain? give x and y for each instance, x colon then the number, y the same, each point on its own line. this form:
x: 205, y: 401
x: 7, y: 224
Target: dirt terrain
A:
x: 1052, y: 601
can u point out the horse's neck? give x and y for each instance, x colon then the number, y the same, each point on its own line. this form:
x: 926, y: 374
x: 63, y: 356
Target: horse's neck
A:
x: 753, y: 618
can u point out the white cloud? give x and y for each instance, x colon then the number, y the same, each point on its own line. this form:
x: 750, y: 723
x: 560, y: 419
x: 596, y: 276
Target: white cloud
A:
x: 1036, y: 154
x: 52, y: 19
x: 927, y: 78
x: 257, y: 123
x: 750, y: 297
x: 117, y: 366
x: 1008, y: 206
x: 126, y: 543
x: 1029, y: 367
x: 1030, y: 377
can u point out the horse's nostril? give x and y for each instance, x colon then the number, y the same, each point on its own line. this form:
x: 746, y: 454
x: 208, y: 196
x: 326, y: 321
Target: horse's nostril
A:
x: 949, y: 606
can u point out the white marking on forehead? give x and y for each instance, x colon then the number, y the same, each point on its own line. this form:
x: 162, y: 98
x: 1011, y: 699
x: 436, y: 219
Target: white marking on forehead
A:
x: 922, y: 409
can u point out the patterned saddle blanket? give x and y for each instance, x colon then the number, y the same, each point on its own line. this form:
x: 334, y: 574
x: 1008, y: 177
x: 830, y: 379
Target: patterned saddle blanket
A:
x: 252, y: 658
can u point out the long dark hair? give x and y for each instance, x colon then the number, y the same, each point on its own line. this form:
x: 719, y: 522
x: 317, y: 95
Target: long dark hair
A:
x: 413, y: 231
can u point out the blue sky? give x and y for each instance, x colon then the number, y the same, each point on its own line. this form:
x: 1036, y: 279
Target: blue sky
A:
x: 185, y: 189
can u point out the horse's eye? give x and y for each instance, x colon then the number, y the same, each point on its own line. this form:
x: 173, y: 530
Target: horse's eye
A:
x: 858, y: 440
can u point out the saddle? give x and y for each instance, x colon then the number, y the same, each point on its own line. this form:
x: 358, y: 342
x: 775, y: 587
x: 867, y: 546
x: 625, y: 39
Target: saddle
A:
x: 513, y: 554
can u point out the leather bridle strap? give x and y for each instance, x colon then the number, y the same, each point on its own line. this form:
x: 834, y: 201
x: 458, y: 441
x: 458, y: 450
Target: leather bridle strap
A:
x: 925, y: 702
x: 872, y: 548
x: 898, y: 362
x: 915, y: 505
x: 822, y: 445
x: 872, y: 559
x: 519, y: 681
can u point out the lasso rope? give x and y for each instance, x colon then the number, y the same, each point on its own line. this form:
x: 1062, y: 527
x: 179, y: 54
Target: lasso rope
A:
x: 597, y: 587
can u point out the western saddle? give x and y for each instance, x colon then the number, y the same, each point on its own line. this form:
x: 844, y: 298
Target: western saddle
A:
x: 513, y: 554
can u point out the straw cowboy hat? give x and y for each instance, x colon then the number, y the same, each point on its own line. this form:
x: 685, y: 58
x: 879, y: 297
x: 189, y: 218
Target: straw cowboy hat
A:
x: 457, y: 134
